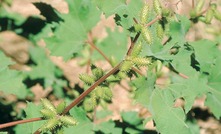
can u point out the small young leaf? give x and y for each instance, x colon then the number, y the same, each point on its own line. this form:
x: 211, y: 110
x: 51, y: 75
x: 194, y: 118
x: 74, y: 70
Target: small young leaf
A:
x: 97, y: 72
x: 99, y: 91
x: 217, y: 15
x: 47, y: 105
x: 139, y: 61
x: 209, y: 16
x: 107, y: 93
x: 200, y: 5
x: 112, y: 78
x: 50, y: 125
x: 147, y: 36
x: 144, y: 14
x: 136, y: 50
x: 68, y: 120
x: 88, y: 104
x: 122, y: 74
x: 126, y: 66
x: 157, y: 7
x: 87, y: 79
x: 159, y: 31
x: 47, y: 113
x: 60, y: 108
x: 137, y: 27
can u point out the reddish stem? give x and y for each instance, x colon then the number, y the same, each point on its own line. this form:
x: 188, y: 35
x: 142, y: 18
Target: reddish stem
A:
x: 19, y: 122
x: 159, y: 17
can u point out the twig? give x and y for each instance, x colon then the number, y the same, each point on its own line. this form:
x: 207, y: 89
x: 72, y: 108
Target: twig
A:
x: 159, y: 17
x: 95, y: 47
x: 132, y: 44
x: 193, y: 5
x: 94, y: 114
x: 138, y: 71
x: 135, y: 20
x: 183, y: 75
x: 19, y: 122
x: 89, y: 61
x: 165, y: 42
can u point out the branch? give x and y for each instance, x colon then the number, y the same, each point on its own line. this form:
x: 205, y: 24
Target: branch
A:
x: 132, y: 44
x: 19, y: 122
x: 183, y: 75
x: 135, y: 20
x: 91, y: 43
x: 159, y: 17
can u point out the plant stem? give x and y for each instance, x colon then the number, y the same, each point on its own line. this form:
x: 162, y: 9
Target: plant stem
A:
x: 96, y: 48
x: 183, y: 75
x: 132, y: 44
x: 138, y: 71
x: 135, y: 20
x: 19, y: 122
x: 193, y: 5
x: 159, y: 17
x: 89, y: 61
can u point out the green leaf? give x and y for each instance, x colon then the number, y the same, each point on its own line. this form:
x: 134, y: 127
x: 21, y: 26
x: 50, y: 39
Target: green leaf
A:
x: 103, y: 113
x: 158, y: 50
x: 5, y: 61
x: 31, y: 111
x: 179, y: 29
x: 169, y: 120
x: 182, y: 61
x: 131, y: 117
x: 193, y: 127
x: 44, y: 69
x: 133, y: 122
x: 145, y: 87
x: 114, y: 45
x: 84, y: 126
x: 70, y: 36
x: 189, y: 89
x: 213, y: 100
x: 110, y: 7
x: 125, y: 14
x: 205, y: 52
x: 108, y: 127
x: 11, y: 80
